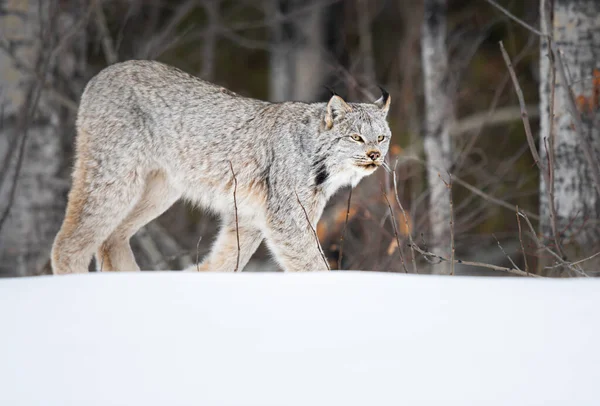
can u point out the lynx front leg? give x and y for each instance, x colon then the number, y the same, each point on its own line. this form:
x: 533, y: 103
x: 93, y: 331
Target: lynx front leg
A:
x: 224, y: 254
x: 293, y: 242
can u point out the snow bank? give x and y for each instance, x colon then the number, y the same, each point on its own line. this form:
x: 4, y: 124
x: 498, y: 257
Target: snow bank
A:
x: 339, y: 338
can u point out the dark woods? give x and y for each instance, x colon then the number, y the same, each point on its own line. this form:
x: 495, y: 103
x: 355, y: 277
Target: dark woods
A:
x: 463, y: 193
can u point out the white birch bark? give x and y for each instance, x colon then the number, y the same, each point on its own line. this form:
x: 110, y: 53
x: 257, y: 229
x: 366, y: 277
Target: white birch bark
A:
x: 297, y: 64
x: 37, y: 208
x: 575, y: 26
x: 438, y: 120
x: 365, y: 44
x: 308, y: 59
x: 281, y: 77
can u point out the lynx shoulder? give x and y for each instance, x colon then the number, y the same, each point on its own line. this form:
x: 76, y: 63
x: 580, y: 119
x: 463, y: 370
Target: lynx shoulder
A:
x: 149, y: 134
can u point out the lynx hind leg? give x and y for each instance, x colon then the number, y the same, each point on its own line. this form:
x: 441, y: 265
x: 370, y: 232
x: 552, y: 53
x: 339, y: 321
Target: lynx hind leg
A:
x: 115, y: 253
x: 95, y: 207
x: 223, y: 256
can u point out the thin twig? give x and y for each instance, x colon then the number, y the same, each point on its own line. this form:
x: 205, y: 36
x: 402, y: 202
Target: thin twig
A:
x: 553, y: 214
x: 492, y: 117
x: 107, y: 42
x: 237, y: 230
x: 577, y: 262
x: 452, y: 247
x: 524, y: 114
x: 344, y: 231
x: 30, y: 108
x: 427, y: 254
x: 477, y: 191
x: 314, y: 231
x: 408, y: 228
x: 504, y: 252
x: 514, y: 18
x: 540, y: 245
x: 550, y: 153
x: 521, y: 241
x: 25, y: 118
x: 198, y: 254
x: 395, y: 230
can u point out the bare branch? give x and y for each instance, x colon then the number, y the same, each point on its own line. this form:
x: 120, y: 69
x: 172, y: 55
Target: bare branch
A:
x: 524, y: 114
x: 452, y: 247
x: 521, y: 241
x: 408, y: 227
x: 490, y: 198
x: 540, y: 245
x: 395, y: 229
x: 500, y: 116
x: 440, y: 258
x: 514, y: 18
x: 314, y: 231
x: 107, y: 42
x: 504, y: 252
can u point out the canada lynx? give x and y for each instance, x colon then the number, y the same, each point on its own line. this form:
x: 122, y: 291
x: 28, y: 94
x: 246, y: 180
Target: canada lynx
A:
x: 149, y: 134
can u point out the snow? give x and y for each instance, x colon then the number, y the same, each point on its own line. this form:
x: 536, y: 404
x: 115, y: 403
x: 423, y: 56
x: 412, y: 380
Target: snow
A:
x: 337, y: 338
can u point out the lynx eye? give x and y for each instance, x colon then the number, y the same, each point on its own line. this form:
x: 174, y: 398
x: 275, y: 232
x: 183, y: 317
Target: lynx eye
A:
x: 380, y: 138
x: 356, y: 138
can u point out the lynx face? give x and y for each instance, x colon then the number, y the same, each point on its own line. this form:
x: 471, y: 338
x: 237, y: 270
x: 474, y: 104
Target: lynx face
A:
x: 361, y: 133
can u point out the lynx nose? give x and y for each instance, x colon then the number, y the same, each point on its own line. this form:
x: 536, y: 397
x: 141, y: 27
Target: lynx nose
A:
x: 374, y: 155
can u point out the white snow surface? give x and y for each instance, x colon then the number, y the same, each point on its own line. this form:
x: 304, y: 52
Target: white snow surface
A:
x: 336, y: 338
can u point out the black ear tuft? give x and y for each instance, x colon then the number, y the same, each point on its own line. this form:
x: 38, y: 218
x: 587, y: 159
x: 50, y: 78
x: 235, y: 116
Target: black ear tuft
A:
x: 384, y: 94
x: 333, y: 93
x: 384, y: 101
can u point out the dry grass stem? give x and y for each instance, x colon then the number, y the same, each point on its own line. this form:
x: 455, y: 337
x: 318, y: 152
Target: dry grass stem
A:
x: 452, y: 247
x: 344, y: 231
x: 198, y: 254
x: 395, y: 229
x: 521, y: 241
x: 408, y: 227
x: 237, y: 229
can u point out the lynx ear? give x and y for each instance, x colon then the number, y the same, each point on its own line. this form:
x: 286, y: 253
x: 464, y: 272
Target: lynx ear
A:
x: 384, y: 101
x: 336, y: 109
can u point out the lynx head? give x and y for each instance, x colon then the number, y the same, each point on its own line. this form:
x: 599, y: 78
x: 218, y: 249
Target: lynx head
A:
x: 361, y: 132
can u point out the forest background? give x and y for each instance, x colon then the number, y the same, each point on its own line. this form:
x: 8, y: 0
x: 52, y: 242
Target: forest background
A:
x: 475, y: 173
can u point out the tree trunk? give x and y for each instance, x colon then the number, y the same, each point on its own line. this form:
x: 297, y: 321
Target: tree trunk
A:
x: 308, y: 60
x: 296, y: 58
x: 281, y: 78
x: 575, y: 27
x: 438, y: 114
x: 32, y: 182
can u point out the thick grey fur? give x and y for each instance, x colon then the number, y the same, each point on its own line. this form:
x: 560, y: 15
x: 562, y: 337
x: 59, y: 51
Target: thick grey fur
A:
x: 150, y: 134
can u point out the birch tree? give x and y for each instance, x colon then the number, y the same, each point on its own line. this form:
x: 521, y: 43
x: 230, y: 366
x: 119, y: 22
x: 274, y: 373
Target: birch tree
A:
x: 438, y: 116
x: 575, y: 28
x: 33, y: 52
x: 296, y: 62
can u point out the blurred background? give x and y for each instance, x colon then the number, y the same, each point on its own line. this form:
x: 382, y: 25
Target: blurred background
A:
x: 454, y: 112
